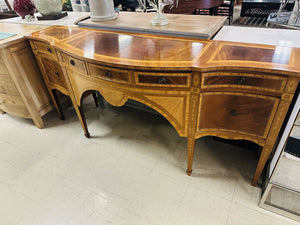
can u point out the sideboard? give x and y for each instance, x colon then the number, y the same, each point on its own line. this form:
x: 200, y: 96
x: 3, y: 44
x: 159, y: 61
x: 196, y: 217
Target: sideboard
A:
x: 202, y: 87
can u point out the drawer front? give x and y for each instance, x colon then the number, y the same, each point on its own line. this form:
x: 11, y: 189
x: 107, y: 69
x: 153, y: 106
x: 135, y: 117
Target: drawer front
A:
x: 7, y: 86
x: 53, y: 74
x: 110, y: 74
x: 162, y: 79
x: 45, y: 49
x: 13, y: 105
x: 74, y: 63
x: 248, y: 114
x: 263, y: 82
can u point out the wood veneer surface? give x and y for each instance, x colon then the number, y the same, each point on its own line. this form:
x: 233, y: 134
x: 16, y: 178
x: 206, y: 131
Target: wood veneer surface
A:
x: 202, y: 87
x: 142, y: 50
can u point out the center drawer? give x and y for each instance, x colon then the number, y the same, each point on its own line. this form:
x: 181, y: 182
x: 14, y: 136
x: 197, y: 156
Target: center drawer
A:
x: 162, y: 79
x: 110, y: 74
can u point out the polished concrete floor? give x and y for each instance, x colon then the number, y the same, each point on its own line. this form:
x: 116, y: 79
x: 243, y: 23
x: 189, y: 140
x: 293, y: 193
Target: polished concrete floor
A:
x: 130, y: 172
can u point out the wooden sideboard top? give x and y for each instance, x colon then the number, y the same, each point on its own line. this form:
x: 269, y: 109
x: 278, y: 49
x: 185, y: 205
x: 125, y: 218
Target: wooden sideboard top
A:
x: 145, y: 51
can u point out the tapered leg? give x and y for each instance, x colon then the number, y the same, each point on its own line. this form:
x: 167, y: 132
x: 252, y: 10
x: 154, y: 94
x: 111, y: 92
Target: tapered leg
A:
x: 1, y: 111
x: 95, y: 98
x: 81, y: 117
x: 190, y: 154
x: 101, y: 100
x: 56, y: 104
x: 261, y: 163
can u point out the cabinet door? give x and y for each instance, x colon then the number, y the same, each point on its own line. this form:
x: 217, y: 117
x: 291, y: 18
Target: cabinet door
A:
x: 234, y: 112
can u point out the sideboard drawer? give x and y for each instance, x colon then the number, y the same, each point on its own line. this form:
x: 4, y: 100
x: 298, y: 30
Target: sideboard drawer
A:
x: 111, y: 74
x: 162, y: 79
x: 7, y: 86
x: 13, y: 105
x: 53, y: 74
x: 74, y: 63
x: 45, y: 48
x: 242, y: 113
x: 253, y: 81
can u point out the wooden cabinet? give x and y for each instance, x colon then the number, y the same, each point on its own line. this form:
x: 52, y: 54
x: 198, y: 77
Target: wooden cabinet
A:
x: 22, y: 90
x: 201, y: 87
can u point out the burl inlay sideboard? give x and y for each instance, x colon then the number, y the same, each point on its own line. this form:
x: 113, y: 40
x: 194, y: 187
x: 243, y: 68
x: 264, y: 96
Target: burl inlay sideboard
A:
x: 202, y: 87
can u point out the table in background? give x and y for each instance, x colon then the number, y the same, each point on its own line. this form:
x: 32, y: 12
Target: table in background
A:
x: 193, y: 26
x: 280, y: 37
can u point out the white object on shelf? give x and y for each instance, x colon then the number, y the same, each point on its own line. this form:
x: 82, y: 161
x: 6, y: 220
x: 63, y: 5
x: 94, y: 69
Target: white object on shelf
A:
x: 76, y: 5
x: 102, y: 10
x: 84, y: 7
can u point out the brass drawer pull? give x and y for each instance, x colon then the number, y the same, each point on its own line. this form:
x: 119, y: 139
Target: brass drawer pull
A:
x: 241, y: 80
x: 49, y: 50
x: 233, y: 113
x: 72, y: 62
x: 162, y: 80
x: 57, y: 74
x: 108, y: 74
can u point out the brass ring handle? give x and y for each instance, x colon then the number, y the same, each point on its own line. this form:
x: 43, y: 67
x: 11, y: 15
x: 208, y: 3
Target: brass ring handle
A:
x: 162, y: 80
x: 57, y: 74
x: 49, y: 50
x: 241, y: 80
x: 233, y: 113
x: 72, y: 62
x: 108, y: 74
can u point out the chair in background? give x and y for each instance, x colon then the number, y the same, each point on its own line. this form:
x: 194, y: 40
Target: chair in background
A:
x: 226, y: 9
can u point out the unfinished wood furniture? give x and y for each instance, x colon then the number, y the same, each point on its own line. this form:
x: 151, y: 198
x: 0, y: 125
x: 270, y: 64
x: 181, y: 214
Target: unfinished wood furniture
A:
x: 22, y: 90
x: 202, y: 87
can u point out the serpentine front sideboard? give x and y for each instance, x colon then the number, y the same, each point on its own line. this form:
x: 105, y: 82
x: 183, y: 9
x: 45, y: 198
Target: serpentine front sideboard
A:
x: 202, y: 87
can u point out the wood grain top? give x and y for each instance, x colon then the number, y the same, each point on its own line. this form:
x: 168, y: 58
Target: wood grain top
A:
x: 19, y: 29
x: 179, y: 25
x: 171, y: 53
